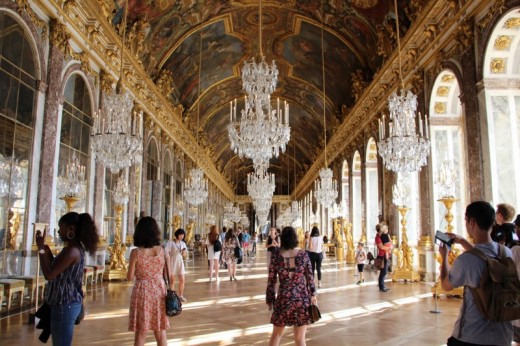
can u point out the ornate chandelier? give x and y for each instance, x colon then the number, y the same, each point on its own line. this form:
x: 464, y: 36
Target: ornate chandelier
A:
x: 406, y: 145
x: 326, y: 189
x: 193, y: 212
x: 260, y: 185
x: 12, y: 179
x: 121, y: 192
x: 71, y: 182
x: 401, y: 192
x: 261, y: 131
x: 116, y: 134
x: 196, y: 186
x: 262, y: 216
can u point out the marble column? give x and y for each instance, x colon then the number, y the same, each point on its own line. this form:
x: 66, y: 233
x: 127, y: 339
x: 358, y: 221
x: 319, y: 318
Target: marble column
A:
x: 51, y: 137
x: 131, y: 207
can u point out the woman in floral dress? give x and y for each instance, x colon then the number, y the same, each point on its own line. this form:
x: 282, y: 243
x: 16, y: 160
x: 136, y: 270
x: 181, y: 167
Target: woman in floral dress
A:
x: 230, y: 243
x: 296, y: 291
x: 147, y: 262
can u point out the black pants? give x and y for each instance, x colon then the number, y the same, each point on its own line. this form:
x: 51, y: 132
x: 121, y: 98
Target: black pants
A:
x: 456, y: 342
x: 316, y: 259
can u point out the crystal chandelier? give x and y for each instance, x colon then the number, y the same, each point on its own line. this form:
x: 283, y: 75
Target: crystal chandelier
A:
x: 244, y: 220
x: 179, y: 207
x: 261, y: 131
x: 260, y: 185
x: 211, y: 219
x: 447, y: 179
x: 121, y: 192
x: 405, y: 146
x: 262, y: 217
x: 12, y: 179
x: 296, y: 211
x: 71, y: 181
x: 196, y: 186
x: 326, y: 189
x: 116, y: 134
x: 193, y: 212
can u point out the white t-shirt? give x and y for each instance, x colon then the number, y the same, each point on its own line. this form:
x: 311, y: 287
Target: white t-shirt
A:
x: 316, y: 244
x: 477, y: 329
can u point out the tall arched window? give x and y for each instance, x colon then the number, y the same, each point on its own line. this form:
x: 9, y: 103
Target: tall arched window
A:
x: 372, y: 189
x: 357, y: 205
x: 502, y: 95
x: 168, y: 181
x: 17, y: 115
x: 447, y: 136
x: 76, y: 127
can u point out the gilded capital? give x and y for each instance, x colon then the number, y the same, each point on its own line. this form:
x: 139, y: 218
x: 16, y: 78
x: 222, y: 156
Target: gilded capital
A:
x: 59, y: 37
x: 165, y: 82
x: 106, y: 81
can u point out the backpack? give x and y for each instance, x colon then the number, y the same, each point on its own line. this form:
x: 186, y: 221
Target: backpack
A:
x: 498, y: 295
x: 217, y: 246
x: 173, y: 303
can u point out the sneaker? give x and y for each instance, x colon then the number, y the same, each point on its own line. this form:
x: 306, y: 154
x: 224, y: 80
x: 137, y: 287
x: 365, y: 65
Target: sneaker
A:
x: 183, y: 299
x: 319, y: 284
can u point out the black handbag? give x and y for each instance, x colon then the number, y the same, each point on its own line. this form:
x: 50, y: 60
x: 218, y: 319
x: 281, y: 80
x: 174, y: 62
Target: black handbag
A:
x: 172, y: 301
x: 314, y: 313
x: 238, y: 254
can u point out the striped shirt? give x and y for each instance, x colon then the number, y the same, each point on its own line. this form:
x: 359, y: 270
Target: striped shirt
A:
x: 66, y: 287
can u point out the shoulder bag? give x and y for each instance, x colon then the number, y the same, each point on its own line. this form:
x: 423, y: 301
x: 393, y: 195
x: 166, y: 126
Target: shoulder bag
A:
x: 314, y: 313
x: 172, y: 300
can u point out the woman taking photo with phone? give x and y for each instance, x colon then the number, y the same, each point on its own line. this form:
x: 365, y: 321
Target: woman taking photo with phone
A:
x: 64, y: 273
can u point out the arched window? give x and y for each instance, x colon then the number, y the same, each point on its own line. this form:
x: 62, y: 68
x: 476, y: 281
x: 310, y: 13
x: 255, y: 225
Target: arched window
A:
x: 168, y: 181
x: 152, y: 161
x: 372, y: 189
x: 502, y: 95
x: 447, y: 148
x: 17, y: 115
x: 357, y: 204
x: 76, y: 127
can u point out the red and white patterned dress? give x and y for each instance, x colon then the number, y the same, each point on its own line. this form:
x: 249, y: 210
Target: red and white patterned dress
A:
x: 147, y: 307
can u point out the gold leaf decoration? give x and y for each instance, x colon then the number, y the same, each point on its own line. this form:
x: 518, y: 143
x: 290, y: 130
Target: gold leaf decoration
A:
x: 443, y: 91
x: 512, y: 23
x: 503, y: 42
x: 498, y: 65
x: 440, y: 108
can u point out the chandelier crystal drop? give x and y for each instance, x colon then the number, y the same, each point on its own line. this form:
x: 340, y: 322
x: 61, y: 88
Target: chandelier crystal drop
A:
x: 404, y: 143
x: 196, y: 187
x: 259, y: 79
x: 71, y: 181
x: 262, y: 216
x: 326, y: 190
x: 116, y: 134
x: 121, y: 192
x: 401, y: 191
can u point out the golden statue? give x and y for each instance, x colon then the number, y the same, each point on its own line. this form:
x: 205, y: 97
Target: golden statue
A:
x: 13, y: 226
x: 301, y: 237
x: 189, y: 232
x: 118, y: 266
x: 338, y: 239
x: 404, y: 269
x: 351, y: 251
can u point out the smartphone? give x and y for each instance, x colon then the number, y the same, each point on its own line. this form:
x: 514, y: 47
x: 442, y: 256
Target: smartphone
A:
x: 444, y: 238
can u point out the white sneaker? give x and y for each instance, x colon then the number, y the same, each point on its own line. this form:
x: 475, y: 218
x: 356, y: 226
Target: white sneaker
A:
x: 183, y: 299
x: 319, y: 284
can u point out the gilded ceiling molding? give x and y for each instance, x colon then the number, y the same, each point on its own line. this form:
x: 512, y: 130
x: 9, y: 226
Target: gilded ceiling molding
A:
x: 497, y: 9
x: 359, y: 84
x: 84, y: 59
x: 464, y: 35
x: 59, y: 37
x: 414, y: 8
x: 417, y: 82
x: 106, y: 81
x: 503, y: 42
x: 23, y: 6
x: 136, y: 38
x: 165, y: 82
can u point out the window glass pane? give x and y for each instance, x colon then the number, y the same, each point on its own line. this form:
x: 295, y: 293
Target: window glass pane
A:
x: 25, y: 105
x: 65, y: 128
x: 10, y: 97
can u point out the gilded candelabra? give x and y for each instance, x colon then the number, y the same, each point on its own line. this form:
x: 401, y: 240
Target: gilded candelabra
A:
x: 404, y: 269
x: 453, y: 254
x: 118, y: 267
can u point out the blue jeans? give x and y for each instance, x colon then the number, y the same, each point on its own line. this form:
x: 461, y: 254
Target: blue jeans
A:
x: 382, y: 274
x: 62, y: 323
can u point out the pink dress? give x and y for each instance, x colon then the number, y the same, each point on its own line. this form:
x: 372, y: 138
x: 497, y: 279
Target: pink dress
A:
x: 147, y: 306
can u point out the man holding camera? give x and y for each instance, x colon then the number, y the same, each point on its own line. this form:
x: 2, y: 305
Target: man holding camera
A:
x: 471, y: 327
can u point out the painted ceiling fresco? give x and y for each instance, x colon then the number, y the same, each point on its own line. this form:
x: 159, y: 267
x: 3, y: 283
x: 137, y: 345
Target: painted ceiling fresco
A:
x: 291, y: 36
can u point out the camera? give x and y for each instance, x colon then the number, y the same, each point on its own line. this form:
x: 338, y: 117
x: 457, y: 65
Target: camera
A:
x: 444, y: 238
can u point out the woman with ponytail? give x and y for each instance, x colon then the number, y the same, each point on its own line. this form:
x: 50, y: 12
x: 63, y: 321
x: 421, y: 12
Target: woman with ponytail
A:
x: 64, y: 273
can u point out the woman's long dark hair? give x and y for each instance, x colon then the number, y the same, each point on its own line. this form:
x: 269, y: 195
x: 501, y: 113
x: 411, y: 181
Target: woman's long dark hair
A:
x: 86, y: 230
x: 229, y: 235
x: 288, y: 238
x: 147, y: 233
x: 315, y: 231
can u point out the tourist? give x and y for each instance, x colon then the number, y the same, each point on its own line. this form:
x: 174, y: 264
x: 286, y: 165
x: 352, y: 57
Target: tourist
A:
x: 296, y: 290
x: 316, y: 252
x: 360, y: 261
x: 213, y: 256
x: 228, y: 248
x: 177, y: 251
x: 64, y: 273
x: 147, y: 265
x: 272, y: 245
x: 384, y: 250
x: 471, y: 327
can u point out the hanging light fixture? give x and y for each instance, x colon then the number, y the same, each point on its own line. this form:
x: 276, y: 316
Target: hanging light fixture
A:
x: 116, y: 133
x: 325, y: 189
x: 71, y: 181
x: 260, y: 185
x: 261, y: 131
x: 12, y: 179
x: 196, y: 186
x: 404, y: 143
